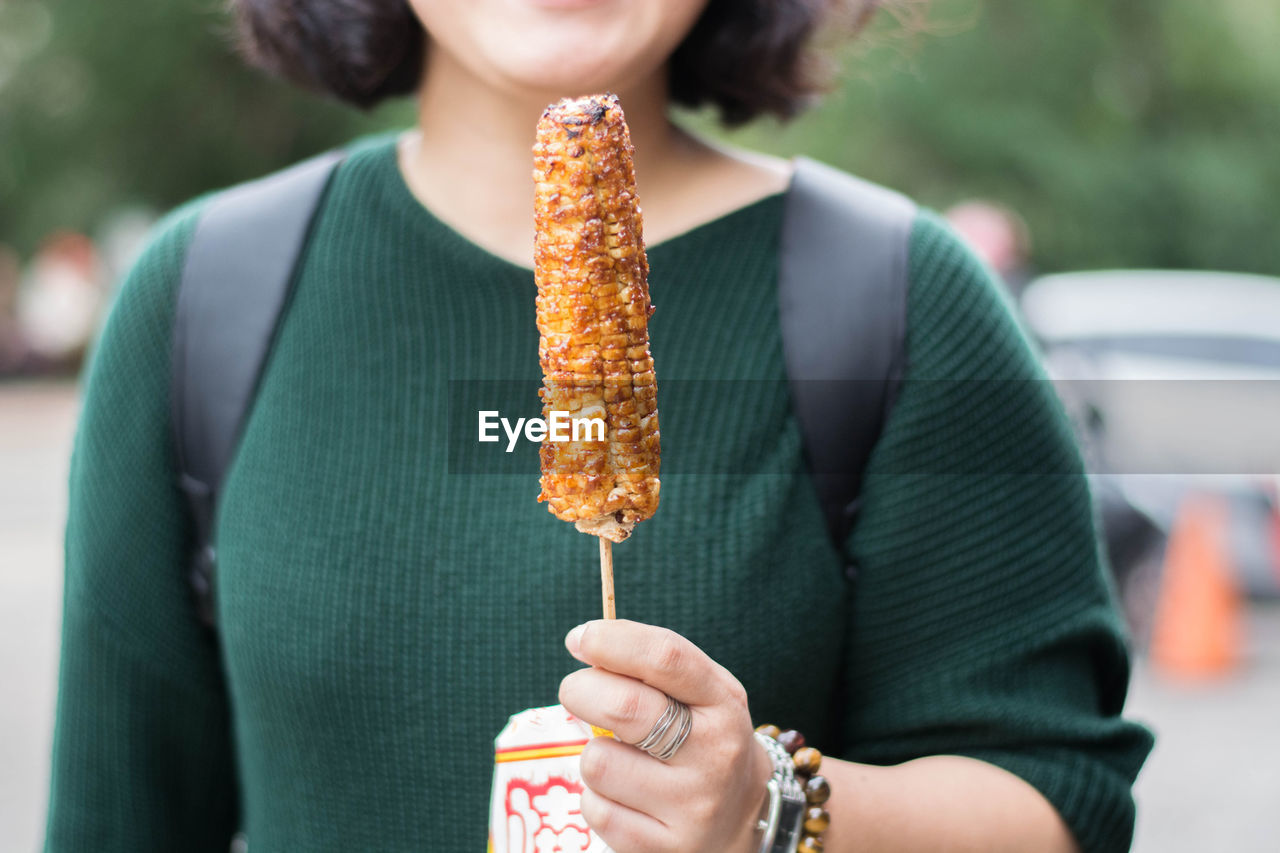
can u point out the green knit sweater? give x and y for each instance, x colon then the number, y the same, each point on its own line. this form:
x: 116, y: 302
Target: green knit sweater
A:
x: 383, y: 609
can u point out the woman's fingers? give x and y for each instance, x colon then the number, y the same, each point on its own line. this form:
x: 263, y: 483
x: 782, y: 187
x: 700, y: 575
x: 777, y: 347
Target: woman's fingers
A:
x: 707, y: 808
x: 623, y: 705
x: 624, y: 829
x: 708, y: 795
x: 657, y: 656
x: 627, y: 776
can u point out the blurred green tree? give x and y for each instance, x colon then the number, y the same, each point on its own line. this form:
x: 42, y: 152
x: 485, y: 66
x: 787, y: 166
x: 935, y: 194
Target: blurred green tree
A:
x: 1142, y: 133
x: 106, y: 104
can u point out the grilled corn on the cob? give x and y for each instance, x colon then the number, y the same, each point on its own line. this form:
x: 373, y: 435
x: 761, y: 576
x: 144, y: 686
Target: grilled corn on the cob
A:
x: 593, y: 313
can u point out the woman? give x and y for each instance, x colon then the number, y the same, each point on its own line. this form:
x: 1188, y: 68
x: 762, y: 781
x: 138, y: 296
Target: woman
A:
x: 380, y: 616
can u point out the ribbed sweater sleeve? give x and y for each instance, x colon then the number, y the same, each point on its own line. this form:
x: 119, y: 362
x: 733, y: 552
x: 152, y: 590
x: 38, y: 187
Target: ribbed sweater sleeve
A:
x: 142, y: 754
x: 983, y: 624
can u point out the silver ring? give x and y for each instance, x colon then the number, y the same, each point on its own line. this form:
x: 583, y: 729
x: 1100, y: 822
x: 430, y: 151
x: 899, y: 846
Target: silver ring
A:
x: 660, y: 727
x: 661, y: 743
x: 686, y: 726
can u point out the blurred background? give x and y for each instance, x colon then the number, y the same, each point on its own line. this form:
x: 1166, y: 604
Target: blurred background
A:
x: 1117, y: 163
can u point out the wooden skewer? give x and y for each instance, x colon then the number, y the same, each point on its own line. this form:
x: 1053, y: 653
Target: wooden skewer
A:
x: 606, y: 593
x: 606, y: 578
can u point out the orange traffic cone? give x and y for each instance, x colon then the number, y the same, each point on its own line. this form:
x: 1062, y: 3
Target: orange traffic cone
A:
x: 1198, y: 631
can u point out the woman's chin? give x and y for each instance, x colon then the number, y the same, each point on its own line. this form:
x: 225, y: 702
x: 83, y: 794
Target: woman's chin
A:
x: 556, y: 76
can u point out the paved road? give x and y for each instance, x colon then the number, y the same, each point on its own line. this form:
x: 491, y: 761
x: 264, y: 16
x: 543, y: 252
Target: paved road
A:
x: 1212, y: 785
x: 36, y: 426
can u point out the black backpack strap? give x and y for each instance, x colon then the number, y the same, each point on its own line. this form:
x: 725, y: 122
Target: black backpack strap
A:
x: 842, y: 303
x: 235, y: 284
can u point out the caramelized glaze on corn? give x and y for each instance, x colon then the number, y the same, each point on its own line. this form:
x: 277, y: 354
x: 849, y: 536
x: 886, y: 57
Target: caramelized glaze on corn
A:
x: 593, y: 313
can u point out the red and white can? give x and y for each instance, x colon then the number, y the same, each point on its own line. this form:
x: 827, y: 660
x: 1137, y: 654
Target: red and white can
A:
x: 537, y: 786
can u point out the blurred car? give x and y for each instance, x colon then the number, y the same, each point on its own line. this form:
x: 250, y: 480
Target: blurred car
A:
x: 1173, y: 381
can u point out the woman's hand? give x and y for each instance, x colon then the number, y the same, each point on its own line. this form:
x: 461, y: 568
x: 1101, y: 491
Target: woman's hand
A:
x: 708, y: 795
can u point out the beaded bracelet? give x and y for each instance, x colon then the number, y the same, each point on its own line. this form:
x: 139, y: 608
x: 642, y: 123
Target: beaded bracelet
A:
x: 817, y: 790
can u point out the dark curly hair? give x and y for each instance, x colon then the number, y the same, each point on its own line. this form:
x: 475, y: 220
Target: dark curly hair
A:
x: 746, y: 58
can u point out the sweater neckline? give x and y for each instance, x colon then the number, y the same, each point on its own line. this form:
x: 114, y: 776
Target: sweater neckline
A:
x: 412, y: 208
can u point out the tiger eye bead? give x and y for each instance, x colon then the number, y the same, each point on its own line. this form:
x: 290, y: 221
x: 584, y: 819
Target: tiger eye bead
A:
x: 791, y: 740
x: 816, y: 820
x: 817, y: 790
x: 807, y: 760
x: 769, y: 731
x: 810, y: 844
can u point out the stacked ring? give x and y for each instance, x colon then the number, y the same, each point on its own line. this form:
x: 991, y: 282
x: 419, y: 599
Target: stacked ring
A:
x: 669, y: 732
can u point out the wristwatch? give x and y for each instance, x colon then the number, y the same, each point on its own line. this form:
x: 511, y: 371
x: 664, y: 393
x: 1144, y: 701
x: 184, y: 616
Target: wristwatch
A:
x: 782, y: 815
